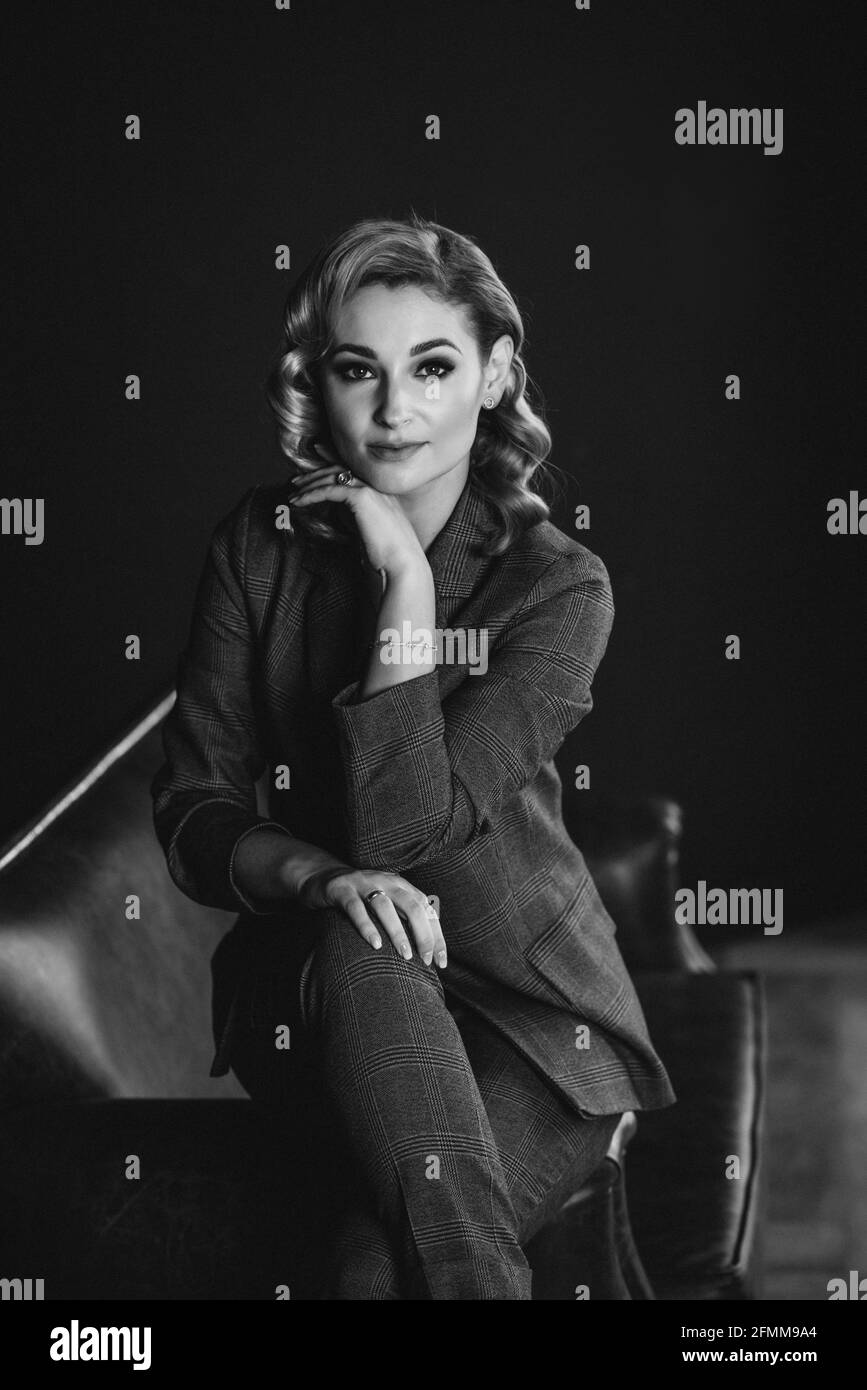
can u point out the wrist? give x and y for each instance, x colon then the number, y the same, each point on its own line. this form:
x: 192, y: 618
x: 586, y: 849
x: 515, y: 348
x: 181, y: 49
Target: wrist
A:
x: 311, y: 888
x: 407, y: 568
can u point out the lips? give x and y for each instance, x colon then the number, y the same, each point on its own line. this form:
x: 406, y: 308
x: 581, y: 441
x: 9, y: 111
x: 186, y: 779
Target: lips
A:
x: 395, y: 451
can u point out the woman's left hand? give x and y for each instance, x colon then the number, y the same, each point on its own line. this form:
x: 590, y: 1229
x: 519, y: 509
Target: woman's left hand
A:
x: 388, y: 538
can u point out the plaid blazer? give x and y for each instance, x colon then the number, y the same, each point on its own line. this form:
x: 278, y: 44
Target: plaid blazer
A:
x: 446, y: 778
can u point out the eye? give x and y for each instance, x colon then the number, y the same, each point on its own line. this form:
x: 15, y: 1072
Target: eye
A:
x: 439, y: 362
x: 444, y: 367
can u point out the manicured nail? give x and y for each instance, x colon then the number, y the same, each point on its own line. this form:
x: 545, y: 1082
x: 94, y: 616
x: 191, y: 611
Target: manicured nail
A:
x: 441, y: 959
x: 407, y: 951
x: 376, y: 943
x: 428, y: 958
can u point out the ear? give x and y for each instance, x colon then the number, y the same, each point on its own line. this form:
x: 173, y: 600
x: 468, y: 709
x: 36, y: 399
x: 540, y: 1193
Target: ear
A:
x: 325, y: 453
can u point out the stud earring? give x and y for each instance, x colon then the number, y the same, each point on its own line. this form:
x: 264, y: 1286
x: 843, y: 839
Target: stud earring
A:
x: 489, y: 402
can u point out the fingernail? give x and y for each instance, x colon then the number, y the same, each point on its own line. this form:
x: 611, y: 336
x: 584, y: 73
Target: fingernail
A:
x: 428, y: 958
x: 441, y: 959
x: 407, y: 952
x: 376, y: 943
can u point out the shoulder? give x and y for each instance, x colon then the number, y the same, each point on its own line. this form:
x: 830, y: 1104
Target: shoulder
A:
x: 557, y: 560
x: 249, y: 530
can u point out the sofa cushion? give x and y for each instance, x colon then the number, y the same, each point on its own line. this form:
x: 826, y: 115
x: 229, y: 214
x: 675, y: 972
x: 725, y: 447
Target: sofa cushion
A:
x: 225, y: 1206
x: 94, y: 1002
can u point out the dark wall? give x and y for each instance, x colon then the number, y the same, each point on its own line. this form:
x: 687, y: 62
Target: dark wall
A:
x: 263, y: 126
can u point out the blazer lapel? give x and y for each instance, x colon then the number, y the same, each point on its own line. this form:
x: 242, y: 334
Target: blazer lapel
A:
x: 455, y: 566
x: 336, y: 596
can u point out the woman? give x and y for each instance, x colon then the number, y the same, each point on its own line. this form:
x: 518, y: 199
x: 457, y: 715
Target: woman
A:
x: 404, y: 648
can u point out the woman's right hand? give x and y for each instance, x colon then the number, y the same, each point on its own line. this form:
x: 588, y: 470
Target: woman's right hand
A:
x: 346, y: 888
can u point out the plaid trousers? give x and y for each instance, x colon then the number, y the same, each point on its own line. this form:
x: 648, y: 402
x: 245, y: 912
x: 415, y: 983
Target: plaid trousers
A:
x: 457, y: 1146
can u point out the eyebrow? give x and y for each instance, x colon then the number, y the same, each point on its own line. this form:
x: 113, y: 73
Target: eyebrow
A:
x: 415, y: 351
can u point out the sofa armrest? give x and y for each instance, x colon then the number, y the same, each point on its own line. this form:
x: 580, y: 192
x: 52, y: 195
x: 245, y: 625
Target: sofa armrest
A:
x: 632, y: 848
x: 696, y: 1169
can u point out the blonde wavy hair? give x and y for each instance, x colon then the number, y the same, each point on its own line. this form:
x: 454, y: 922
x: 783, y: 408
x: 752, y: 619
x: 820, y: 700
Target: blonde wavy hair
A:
x: 512, y: 441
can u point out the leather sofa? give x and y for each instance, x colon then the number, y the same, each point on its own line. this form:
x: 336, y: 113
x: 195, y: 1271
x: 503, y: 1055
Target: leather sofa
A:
x: 127, y: 1172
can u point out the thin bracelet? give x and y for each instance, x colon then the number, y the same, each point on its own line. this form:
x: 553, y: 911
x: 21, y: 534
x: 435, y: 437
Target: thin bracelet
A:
x: 411, y: 646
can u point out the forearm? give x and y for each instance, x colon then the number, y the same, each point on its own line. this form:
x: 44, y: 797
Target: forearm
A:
x: 409, y: 597
x: 270, y: 865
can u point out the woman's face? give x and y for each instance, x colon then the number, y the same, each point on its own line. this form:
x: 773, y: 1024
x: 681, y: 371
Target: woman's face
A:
x: 379, y: 393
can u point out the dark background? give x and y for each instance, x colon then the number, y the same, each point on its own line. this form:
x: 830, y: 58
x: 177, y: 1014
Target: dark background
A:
x: 261, y: 127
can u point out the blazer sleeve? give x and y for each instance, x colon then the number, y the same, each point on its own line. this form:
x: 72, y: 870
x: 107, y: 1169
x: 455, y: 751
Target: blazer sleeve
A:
x: 424, y: 776
x: 204, y: 795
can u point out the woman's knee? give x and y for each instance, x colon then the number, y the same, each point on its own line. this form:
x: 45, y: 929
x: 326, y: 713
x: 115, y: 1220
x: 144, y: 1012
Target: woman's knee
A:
x: 342, y: 962
x: 366, y: 1265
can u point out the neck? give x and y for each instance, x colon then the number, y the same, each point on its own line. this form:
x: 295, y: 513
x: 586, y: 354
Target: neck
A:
x: 429, y: 508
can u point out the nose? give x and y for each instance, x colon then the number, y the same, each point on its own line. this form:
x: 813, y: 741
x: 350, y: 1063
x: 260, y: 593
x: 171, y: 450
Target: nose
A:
x: 392, y: 409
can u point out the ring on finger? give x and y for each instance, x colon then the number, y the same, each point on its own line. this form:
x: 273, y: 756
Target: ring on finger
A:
x: 405, y: 949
